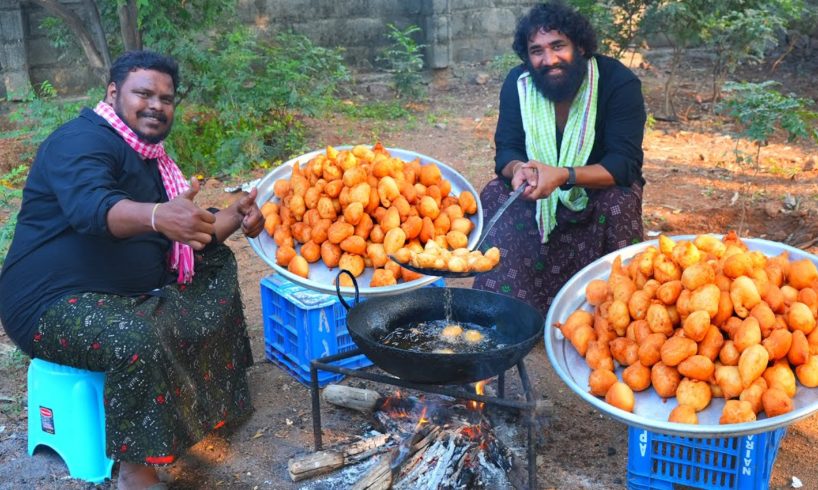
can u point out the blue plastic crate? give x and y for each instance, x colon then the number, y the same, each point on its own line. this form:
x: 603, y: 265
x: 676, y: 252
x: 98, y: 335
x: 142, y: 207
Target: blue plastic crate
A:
x: 658, y: 461
x: 301, y: 325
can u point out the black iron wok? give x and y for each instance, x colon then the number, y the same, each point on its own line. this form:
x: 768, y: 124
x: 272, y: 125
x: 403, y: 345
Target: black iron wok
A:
x: 518, y: 324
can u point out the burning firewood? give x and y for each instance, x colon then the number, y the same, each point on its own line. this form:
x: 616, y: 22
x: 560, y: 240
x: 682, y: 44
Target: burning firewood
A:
x: 320, y: 462
x: 355, y: 398
x: 445, y: 444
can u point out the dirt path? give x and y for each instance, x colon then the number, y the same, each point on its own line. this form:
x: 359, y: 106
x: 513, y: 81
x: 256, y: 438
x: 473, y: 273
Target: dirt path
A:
x: 694, y: 186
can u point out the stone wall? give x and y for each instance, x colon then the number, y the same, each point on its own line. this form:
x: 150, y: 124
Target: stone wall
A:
x: 65, y: 70
x: 13, y: 59
x: 454, y: 31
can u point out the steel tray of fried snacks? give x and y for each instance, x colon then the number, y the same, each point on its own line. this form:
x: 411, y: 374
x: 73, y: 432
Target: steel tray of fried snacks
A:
x: 322, y: 278
x: 650, y: 410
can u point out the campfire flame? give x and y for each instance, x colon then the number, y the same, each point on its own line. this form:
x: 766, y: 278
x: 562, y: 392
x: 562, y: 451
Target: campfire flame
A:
x: 444, y: 443
x: 480, y: 389
x: 422, y: 420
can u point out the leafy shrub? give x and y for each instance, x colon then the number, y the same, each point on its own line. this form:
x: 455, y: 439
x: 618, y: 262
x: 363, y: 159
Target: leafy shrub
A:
x: 405, y: 61
x: 238, y: 105
x: 761, y: 110
x: 242, y: 96
x: 380, y: 110
x: 500, y: 65
x: 42, y: 112
x: 10, y: 196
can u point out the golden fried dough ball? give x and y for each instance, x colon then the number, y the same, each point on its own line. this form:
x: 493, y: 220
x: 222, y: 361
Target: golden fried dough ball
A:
x: 311, y: 252
x: 620, y: 396
x: 737, y: 412
x: 299, y: 266
x: 451, y: 332
x: 330, y: 254
x: 637, y: 376
x: 697, y: 367
x: 353, y: 263
x: 683, y: 414
x: 600, y: 381
x: 776, y: 402
x: 383, y: 277
x: 467, y: 202
x: 807, y: 373
x: 802, y: 273
x: 665, y: 379
x: 752, y: 363
x: 472, y: 336
x: 430, y: 174
x: 694, y: 393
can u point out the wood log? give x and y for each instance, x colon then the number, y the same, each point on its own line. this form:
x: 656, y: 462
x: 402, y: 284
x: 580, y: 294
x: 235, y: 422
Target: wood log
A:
x: 377, y: 478
x: 320, y: 462
x: 314, y: 464
x: 358, y: 399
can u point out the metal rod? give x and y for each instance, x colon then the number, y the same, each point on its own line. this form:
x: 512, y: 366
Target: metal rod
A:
x: 530, y: 415
x: 501, y: 385
x: 316, y: 406
x: 438, y: 389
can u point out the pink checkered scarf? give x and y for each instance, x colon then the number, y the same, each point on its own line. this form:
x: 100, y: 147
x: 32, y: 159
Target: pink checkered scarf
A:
x: 181, y: 255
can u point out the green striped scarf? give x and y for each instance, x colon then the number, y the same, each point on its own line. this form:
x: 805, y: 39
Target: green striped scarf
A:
x: 540, y: 125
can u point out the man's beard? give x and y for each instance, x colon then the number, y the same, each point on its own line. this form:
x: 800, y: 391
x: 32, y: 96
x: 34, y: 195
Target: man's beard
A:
x: 566, y: 85
x: 142, y: 136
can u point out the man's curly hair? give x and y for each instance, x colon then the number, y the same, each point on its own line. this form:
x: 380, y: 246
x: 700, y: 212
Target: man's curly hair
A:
x: 554, y: 16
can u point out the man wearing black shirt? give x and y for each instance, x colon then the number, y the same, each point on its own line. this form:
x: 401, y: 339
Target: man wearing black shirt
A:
x: 114, y: 268
x: 570, y: 127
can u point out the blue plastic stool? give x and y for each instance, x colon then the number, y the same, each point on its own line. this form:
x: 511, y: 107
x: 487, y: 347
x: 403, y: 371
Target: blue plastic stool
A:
x: 66, y: 413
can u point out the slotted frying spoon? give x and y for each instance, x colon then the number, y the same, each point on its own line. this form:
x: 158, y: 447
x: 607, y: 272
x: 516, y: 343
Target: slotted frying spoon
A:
x: 447, y: 273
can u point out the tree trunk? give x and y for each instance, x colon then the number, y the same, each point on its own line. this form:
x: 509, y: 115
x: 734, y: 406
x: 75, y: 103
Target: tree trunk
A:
x: 668, y: 108
x: 84, y: 37
x: 98, y: 31
x: 129, y: 26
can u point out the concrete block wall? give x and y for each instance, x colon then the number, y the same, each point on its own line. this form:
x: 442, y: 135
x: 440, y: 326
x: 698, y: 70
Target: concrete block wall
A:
x: 13, y: 59
x: 67, y: 71
x: 453, y: 31
x: 358, y: 26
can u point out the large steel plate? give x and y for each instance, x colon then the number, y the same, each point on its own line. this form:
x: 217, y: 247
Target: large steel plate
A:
x: 321, y: 277
x: 651, y: 411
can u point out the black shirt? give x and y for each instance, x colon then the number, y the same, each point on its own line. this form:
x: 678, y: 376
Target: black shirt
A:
x: 62, y: 244
x: 620, y: 123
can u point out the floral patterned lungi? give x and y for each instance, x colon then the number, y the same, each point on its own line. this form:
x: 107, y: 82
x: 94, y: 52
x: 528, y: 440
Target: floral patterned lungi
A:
x: 174, y: 359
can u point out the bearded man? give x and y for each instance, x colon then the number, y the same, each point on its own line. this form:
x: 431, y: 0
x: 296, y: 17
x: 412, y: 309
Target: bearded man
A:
x: 570, y: 127
x: 114, y: 268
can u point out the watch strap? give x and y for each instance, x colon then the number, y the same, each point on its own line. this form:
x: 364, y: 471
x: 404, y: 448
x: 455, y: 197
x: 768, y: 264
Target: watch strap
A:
x: 572, y: 180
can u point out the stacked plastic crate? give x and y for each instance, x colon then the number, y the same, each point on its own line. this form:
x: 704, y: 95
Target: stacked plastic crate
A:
x: 301, y: 325
x: 665, y: 462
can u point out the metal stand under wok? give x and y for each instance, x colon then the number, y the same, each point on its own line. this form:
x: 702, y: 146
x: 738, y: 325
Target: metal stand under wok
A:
x: 527, y: 408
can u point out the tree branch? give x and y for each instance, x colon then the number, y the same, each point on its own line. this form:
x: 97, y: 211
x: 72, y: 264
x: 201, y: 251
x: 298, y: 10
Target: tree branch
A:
x: 78, y: 28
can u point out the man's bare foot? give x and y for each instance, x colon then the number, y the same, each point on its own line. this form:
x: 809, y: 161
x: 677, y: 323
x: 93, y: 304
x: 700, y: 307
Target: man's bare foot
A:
x: 134, y: 476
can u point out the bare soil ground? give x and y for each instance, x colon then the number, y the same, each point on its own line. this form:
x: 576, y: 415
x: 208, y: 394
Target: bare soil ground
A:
x: 694, y: 186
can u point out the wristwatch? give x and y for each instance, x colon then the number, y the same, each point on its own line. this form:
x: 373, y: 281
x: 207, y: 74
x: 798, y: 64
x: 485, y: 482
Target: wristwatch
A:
x: 572, y: 180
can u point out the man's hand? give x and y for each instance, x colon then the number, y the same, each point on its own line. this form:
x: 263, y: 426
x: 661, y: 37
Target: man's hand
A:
x: 542, y: 179
x: 183, y: 221
x: 252, y: 221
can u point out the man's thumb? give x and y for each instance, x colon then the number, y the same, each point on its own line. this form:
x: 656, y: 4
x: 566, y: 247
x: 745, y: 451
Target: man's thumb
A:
x: 192, y: 190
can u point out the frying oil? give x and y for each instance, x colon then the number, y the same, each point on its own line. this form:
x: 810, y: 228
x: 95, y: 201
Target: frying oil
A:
x: 443, y: 337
